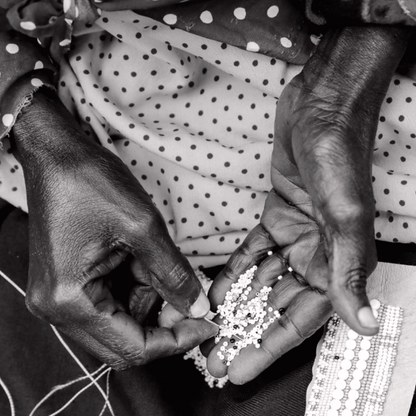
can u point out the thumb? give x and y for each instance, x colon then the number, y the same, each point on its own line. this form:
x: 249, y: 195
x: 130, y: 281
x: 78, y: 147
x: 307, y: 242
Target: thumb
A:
x: 352, y: 258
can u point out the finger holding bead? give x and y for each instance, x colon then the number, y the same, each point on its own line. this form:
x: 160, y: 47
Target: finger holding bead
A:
x: 254, y: 248
x: 272, y: 269
x: 264, y: 317
x: 244, y: 318
x: 307, y: 312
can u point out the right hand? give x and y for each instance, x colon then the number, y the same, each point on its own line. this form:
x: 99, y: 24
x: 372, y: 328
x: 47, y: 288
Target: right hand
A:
x: 87, y: 216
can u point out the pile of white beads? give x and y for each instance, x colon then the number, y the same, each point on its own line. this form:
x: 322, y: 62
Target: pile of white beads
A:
x: 244, y: 319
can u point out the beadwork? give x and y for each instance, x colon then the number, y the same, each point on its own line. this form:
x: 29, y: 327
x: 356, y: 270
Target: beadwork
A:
x: 354, y: 372
x: 244, y: 318
x: 195, y: 354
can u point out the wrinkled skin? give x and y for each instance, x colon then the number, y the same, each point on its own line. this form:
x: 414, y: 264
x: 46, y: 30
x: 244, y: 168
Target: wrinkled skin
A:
x: 319, y: 217
x: 93, y: 228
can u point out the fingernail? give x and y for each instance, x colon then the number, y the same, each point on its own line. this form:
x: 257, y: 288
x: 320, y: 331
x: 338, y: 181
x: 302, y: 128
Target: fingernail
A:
x: 201, y: 306
x: 366, y: 317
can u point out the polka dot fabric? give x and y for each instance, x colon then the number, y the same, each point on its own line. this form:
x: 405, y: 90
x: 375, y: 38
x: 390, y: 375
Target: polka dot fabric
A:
x: 276, y: 28
x: 394, y: 169
x: 193, y: 119
x: 49, y: 21
x: 198, y: 137
x: 23, y: 70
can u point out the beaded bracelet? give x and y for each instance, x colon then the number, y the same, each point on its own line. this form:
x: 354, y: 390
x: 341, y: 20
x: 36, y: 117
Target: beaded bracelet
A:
x: 353, y: 371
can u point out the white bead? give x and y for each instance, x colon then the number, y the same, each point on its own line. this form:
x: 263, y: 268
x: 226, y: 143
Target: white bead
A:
x: 338, y: 394
x: 357, y: 374
x: 340, y: 384
x: 375, y: 304
x: 363, y: 355
x: 361, y: 365
x: 335, y: 404
x: 349, y: 354
x: 353, y: 395
x: 343, y: 374
x: 355, y: 384
x: 365, y: 344
x: 352, y: 334
x: 350, y: 344
x: 346, y: 412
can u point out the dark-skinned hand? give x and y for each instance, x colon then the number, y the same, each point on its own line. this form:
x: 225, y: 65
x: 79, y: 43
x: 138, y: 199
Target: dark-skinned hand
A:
x: 92, y: 227
x: 319, y: 217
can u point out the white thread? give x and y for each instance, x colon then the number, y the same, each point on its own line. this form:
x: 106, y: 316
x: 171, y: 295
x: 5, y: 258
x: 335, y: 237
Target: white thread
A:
x: 63, y: 386
x: 79, y: 393
x: 64, y: 344
x: 58, y: 335
x: 107, y: 391
x: 22, y: 292
x: 9, y: 396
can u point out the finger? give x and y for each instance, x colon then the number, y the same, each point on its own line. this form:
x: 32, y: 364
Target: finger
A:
x: 350, y: 265
x: 169, y: 317
x: 272, y: 271
x: 99, y: 324
x: 284, y: 221
x: 142, y: 300
x: 254, y: 248
x: 336, y: 173
x: 307, y: 312
x: 142, y: 296
x: 284, y: 291
x: 170, y: 273
x: 132, y: 4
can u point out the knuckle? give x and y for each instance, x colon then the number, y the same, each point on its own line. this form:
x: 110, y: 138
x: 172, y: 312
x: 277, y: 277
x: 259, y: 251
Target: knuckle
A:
x: 51, y: 305
x: 356, y: 281
x: 348, y: 211
x: 242, y: 260
x: 289, y: 325
x: 36, y: 303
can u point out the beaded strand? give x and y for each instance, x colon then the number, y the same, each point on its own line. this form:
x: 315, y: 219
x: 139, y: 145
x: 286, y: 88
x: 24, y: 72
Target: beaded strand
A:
x: 354, y: 372
x: 244, y: 319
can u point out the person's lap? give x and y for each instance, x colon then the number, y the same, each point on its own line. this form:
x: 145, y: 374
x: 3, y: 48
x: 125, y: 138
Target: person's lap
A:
x: 34, y: 361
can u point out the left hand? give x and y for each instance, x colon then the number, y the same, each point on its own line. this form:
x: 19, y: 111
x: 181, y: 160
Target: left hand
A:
x: 321, y: 213
x: 295, y: 240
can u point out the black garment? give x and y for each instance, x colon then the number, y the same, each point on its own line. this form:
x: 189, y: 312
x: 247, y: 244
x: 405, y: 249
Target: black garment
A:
x: 33, y: 361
